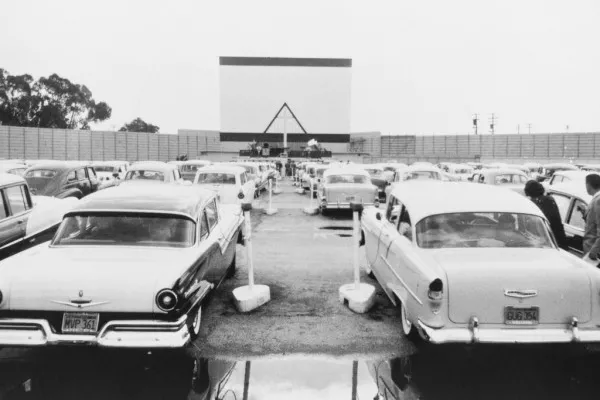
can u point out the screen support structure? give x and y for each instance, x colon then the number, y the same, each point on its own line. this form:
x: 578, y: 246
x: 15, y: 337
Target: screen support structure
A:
x: 285, y: 116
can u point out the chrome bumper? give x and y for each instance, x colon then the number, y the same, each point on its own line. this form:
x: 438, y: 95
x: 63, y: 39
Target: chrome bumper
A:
x: 474, y: 334
x: 129, y: 334
x: 342, y: 206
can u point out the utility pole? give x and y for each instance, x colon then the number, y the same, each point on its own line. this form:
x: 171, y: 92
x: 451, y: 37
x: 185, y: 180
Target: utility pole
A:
x: 493, y: 119
x: 529, y: 128
x: 475, y: 120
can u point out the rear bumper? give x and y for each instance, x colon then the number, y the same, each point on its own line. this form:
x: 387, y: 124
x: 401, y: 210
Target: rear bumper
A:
x: 341, y: 206
x: 124, y: 334
x: 571, y: 333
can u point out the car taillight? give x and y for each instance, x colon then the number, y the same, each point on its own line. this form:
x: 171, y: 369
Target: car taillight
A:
x: 436, y: 290
x: 166, y: 300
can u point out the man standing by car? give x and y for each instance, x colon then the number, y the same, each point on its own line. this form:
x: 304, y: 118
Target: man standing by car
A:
x: 535, y: 191
x: 591, y: 237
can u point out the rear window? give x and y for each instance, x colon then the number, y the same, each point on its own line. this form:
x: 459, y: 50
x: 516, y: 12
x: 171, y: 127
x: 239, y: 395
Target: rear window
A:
x: 508, y: 179
x: 422, y: 175
x: 216, y: 178
x: 144, y: 175
x: 100, y: 229
x: 341, y: 179
x: 104, y: 168
x: 40, y: 173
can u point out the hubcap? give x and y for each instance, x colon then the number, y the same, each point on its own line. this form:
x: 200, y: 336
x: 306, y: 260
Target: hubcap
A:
x: 406, y: 324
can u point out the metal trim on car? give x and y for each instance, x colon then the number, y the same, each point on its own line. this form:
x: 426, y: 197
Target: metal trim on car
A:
x: 130, y: 334
x: 413, y: 295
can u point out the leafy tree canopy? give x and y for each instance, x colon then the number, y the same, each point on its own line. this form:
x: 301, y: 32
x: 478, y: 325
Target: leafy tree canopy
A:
x: 139, y: 125
x: 52, y: 102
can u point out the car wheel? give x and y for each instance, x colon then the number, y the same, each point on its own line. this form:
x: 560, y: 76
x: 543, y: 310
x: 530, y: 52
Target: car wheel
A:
x: 232, y: 267
x: 195, y: 318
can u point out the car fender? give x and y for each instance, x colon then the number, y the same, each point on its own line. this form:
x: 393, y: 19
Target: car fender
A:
x: 70, y: 193
x: 47, y: 213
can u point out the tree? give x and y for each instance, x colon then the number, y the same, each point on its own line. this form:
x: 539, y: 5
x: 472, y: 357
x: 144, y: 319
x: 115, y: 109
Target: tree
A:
x: 52, y: 102
x: 139, y: 125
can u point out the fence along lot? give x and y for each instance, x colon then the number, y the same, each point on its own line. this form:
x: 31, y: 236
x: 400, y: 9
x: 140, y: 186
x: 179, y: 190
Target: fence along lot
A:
x: 64, y: 144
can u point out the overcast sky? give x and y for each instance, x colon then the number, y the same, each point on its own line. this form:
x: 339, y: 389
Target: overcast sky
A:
x: 418, y: 67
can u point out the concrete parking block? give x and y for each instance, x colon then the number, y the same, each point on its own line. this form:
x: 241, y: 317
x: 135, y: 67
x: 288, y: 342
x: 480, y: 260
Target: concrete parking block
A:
x: 248, y: 298
x: 361, y: 299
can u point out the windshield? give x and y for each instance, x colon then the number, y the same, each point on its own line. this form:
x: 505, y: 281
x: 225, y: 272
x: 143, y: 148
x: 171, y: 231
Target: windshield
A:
x: 126, y: 230
x: 144, y: 175
x: 483, y: 230
x: 104, y: 168
x: 508, y: 179
x: 421, y: 175
x: 337, y: 179
x: 216, y: 178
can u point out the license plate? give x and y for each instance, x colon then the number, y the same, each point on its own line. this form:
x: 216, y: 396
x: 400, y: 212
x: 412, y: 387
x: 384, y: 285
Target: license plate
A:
x: 350, y: 198
x: 80, y: 322
x: 521, y: 316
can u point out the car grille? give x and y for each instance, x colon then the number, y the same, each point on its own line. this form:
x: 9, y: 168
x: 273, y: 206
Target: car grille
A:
x: 55, y: 318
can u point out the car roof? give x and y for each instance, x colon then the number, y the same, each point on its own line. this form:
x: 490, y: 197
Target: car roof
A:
x: 424, y: 198
x: 152, y: 166
x: 560, y: 165
x: 573, y: 189
x: 500, y: 171
x: 222, y: 168
x: 345, y: 171
x: 7, y: 166
x: 10, y: 179
x: 574, y: 174
x: 419, y: 167
x: 58, y: 165
x: 194, y: 162
x: 147, y: 197
x: 108, y: 163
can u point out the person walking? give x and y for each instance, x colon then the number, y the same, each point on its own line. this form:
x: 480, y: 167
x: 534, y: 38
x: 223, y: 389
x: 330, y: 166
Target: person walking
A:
x: 591, y: 237
x: 535, y: 191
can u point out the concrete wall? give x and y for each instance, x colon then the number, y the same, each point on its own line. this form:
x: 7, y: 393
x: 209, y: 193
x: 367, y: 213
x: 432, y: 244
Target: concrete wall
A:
x: 64, y: 144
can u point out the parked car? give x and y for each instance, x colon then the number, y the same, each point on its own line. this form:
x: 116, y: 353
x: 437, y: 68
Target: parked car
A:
x: 26, y: 220
x: 460, y: 172
x: 342, y: 186
x: 478, y: 264
x: 110, y: 173
x: 547, y: 170
x: 254, y: 173
x: 62, y: 179
x: 318, y: 178
x: 11, y: 168
x: 416, y: 172
x: 512, y: 179
x: 590, y: 167
x: 378, y: 178
x: 155, y: 171
x: 189, y: 168
x: 129, y: 267
x: 230, y: 182
x: 562, y: 177
x: 572, y: 200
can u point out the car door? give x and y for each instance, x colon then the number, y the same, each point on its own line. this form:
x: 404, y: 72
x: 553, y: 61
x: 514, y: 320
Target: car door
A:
x: 93, y: 179
x: 387, y: 235
x: 16, y: 206
x: 218, y: 260
x: 83, y: 181
x: 575, y: 226
x: 563, y: 202
x: 71, y: 182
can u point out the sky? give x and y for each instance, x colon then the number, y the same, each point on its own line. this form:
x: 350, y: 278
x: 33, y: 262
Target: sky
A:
x: 419, y: 67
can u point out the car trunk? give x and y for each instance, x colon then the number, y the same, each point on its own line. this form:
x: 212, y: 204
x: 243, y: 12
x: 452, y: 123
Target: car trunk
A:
x: 345, y: 193
x: 478, y: 280
x: 228, y: 194
x: 120, y: 279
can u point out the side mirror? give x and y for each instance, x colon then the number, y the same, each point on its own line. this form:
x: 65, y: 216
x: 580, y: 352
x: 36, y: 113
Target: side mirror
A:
x: 378, y: 216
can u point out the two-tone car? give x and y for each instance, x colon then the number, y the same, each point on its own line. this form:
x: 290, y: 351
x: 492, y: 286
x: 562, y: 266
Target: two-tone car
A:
x: 129, y: 266
x: 26, y: 220
x: 512, y: 179
x: 478, y: 264
x: 342, y: 186
x: 229, y: 182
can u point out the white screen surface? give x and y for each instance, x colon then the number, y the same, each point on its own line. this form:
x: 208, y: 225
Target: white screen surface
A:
x: 251, y: 96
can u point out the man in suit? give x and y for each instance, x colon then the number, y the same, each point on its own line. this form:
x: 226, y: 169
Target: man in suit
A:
x: 591, y: 237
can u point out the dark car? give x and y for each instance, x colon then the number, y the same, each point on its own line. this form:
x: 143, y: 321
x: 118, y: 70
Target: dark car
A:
x: 62, y: 179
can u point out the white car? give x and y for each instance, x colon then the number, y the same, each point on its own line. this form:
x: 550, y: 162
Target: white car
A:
x: 478, y: 263
x: 417, y: 171
x: 154, y: 171
x: 128, y: 267
x: 460, y: 172
x: 340, y: 187
x: 230, y: 182
x: 563, y: 177
x: 110, y: 173
x: 254, y: 173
